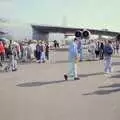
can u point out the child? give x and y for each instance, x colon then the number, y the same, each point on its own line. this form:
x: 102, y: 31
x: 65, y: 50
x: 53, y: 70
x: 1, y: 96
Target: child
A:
x: 108, y: 51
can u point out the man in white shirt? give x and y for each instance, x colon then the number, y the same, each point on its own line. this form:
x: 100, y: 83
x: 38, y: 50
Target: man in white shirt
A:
x: 92, y: 48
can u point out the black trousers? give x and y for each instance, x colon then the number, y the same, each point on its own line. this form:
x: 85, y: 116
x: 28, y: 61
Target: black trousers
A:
x: 101, y: 54
x: 47, y: 55
x: 2, y: 57
x: 97, y: 52
x: 38, y: 55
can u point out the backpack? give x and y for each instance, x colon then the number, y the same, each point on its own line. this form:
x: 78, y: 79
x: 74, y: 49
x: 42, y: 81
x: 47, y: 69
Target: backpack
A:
x: 108, y: 50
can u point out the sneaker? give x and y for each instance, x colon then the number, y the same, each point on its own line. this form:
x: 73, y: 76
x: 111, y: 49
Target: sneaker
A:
x: 65, y: 77
x: 13, y: 70
x: 76, y: 78
x: 106, y: 73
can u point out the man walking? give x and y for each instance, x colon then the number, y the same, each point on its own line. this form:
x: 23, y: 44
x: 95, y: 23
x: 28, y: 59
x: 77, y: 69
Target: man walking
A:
x: 108, y: 51
x: 73, y: 58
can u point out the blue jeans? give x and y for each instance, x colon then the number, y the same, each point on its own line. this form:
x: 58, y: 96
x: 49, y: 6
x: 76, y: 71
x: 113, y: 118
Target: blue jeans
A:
x: 80, y: 52
x: 72, y: 73
x: 108, y: 64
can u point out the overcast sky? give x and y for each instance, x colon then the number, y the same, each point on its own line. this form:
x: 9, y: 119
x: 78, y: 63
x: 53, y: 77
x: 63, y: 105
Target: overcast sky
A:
x: 78, y: 13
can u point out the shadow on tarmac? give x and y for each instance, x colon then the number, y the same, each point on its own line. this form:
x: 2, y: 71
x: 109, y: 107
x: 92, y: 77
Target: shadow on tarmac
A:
x: 115, y: 63
x: 115, y: 88
x: 110, y: 86
x: 103, y: 92
x: 116, y: 76
x: 91, y: 74
x: 118, y: 71
x: 35, y: 84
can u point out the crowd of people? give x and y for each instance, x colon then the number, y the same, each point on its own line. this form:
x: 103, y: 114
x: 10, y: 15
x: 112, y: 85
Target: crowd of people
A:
x: 96, y: 49
x: 12, y: 52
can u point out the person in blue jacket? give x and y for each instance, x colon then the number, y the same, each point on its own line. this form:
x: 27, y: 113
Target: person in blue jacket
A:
x: 73, y: 58
x: 108, y: 51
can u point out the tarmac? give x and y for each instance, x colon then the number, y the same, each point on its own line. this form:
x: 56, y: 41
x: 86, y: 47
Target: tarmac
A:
x: 39, y: 92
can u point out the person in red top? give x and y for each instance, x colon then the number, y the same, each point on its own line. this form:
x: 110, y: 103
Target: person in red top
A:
x: 2, y: 51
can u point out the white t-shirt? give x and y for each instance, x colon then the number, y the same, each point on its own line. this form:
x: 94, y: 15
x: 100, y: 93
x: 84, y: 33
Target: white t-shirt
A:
x: 92, y: 47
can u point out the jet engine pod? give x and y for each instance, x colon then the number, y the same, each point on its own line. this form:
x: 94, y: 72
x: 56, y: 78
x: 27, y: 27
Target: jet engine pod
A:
x: 86, y: 34
x: 78, y: 33
x: 118, y: 37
